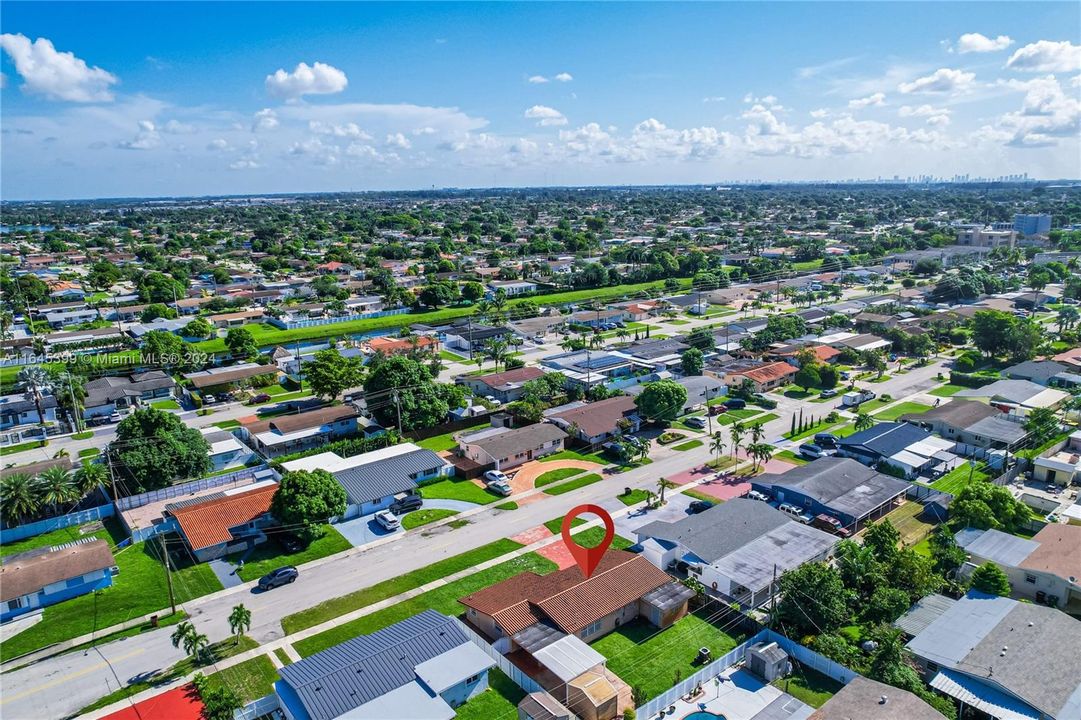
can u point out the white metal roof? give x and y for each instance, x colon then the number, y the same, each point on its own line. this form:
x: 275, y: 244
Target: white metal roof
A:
x: 447, y: 670
x: 983, y: 697
x: 568, y: 657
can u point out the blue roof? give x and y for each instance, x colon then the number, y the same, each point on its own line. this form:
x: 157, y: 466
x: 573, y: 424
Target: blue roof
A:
x: 887, y: 438
x: 341, y: 678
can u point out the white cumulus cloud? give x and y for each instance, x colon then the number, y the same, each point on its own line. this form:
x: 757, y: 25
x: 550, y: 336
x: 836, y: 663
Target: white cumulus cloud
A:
x: 56, y: 75
x: 399, y: 140
x: 265, y: 119
x: 943, y: 80
x: 545, y: 116
x: 563, y: 77
x: 537, y: 79
x: 977, y: 43
x: 147, y: 138
x: 1047, y: 56
x: 348, y: 129
x: 316, y: 79
x: 869, y: 101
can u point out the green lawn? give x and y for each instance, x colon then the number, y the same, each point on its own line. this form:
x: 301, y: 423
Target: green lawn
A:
x: 456, y: 488
x: 227, y: 424
x: 165, y: 404
x: 796, y: 392
x: 636, y: 496
x: 573, y: 484
x: 677, y: 321
x: 552, y: 476
x: 904, y: 408
x: 647, y: 658
x: 555, y: 525
x: 57, y: 537
x: 808, y: 685
x: 451, y: 357
x: 251, y: 679
x: 424, y: 517
x: 86, y: 435
x: 572, y: 455
x: 283, y: 657
x: 955, y: 480
x: 947, y: 390
x: 439, y: 443
x: 507, y: 506
x: 500, y: 700
x: 137, y: 590
x: 22, y: 447
x: 89, y: 452
x: 338, y: 606
x: 691, y: 445
x: 443, y: 599
x: 820, y: 427
x: 871, y: 405
x: 789, y: 456
x: 269, y: 555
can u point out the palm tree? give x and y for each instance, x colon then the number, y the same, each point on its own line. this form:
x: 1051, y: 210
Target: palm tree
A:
x: 239, y: 622
x: 864, y: 422
x: 18, y: 497
x: 761, y: 452
x: 89, y: 477
x: 664, y: 484
x: 1067, y: 316
x: 181, y: 636
x: 736, y: 431
x: 567, y: 343
x: 717, y: 445
x: 56, y: 487
x: 757, y: 432
x: 497, y: 350
x: 643, y: 449
x: 196, y: 644
x: 624, y: 333
x: 35, y: 382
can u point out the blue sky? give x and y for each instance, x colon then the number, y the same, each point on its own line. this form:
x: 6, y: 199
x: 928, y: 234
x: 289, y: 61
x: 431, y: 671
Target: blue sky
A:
x: 121, y: 99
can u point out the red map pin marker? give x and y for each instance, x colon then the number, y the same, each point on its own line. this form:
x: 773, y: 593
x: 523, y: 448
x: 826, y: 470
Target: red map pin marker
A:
x: 588, y: 557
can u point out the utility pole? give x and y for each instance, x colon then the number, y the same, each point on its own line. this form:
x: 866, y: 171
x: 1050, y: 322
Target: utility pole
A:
x: 168, y: 572
x: 398, y: 407
x: 773, y: 597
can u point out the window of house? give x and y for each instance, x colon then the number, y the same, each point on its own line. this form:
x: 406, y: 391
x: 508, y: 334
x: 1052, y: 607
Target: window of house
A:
x: 932, y: 667
x: 15, y: 603
x: 591, y: 629
x: 1030, y: 578
x: 472, y: 679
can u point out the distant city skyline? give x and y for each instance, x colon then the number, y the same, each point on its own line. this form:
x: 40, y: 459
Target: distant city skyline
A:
x: 173, y: 99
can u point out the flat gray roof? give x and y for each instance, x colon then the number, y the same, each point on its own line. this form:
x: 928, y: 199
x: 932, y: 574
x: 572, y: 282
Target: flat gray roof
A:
x: 997, y: 546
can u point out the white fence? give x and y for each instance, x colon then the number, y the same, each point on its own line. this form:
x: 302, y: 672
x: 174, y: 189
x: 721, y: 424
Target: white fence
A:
x: 509, y: 669
x: 80, y: 517
x: 316, y: 322
x: 809, y: 658
x: 187, y: 488
x: 258, y: 708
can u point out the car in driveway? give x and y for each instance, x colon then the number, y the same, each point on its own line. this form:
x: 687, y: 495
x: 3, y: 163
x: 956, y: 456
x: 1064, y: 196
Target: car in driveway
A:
x: 281, y: 576
x: 699, y: 506
x: 500, y: 485
x: 828, y: 393
x: 825, y: 440
x: 290, y: 543
x: 831, y: 524
x: 496, y: 476
x: 735, y: 403
x: 795, y: 513
x: 695, y: 422
x: 388, y: 520
x: 755, y: 495
x: 260, y: 398
x: 812, y: 451
x: 409, y: 503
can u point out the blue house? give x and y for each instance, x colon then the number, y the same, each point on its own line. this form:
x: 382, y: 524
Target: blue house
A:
x: 45, y: 576
x: 418, y: 669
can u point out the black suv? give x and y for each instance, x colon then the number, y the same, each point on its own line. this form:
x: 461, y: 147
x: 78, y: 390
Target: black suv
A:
x: 281, y: 576
x: 699, y: 506
x: 826, y: 440
x: 409, y: 503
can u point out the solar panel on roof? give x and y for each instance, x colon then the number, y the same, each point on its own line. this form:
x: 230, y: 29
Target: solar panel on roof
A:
x: 602, y: 362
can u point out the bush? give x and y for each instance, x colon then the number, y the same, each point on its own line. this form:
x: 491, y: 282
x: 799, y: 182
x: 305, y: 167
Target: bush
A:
x: 970, y: 381
x: 513, y: 363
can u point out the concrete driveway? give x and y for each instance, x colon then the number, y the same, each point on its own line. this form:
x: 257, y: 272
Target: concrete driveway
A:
x: 674, y: 509
x: 363, y: 530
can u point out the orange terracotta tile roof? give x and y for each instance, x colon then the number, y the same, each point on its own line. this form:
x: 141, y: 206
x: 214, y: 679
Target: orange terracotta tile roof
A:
x: 388, y: 346
x: 566, y: 597
x: 207, y: 523
x: 766, y: 373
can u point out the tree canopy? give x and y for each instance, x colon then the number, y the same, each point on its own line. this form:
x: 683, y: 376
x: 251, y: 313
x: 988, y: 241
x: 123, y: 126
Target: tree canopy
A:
x: 154, y: 448
x: 422, y: 402
x: 329, y: 373
x: 306, y: 499
x: 661, y: 400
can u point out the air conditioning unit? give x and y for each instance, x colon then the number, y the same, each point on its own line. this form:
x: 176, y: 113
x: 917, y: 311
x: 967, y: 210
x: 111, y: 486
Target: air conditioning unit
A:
x: 768, y: 661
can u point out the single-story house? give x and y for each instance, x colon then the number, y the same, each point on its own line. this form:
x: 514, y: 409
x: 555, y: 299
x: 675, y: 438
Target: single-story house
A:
x: 843, y: 488
x: 512, y: 287
x: 176, y: 326
x: 598, y: 421
x: 974, y: 426
x: 1017, y: 397
x: 227, y: 522
x: 596, y: 318
x: 872, y: 700
x: 908, y: 448
x: 403, y: 346
x: 236, y: 319
x: 587, y: 368
x: 59, y: 319
x: 225, y: 450
x: 106, y: 395
x: 506, y: 386
x: 764, y: 377
x: 992, y: 653
x: 504, y: 448
x: 420, y: 668
x: 373, y: 479
x: 228, y: 378
x: 700, y: 390
x: 1041, y: 372
x: 736, y: 549
x: 293, y: 433
x: 45, y: 576
x: 1063, y: 466
x: 18, y: 410
x: 1045, y: 568
x: 659, y: 354
x: 472, y: 336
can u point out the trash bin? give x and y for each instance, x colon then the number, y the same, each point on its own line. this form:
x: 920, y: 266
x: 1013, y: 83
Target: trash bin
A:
x: 153, y: 621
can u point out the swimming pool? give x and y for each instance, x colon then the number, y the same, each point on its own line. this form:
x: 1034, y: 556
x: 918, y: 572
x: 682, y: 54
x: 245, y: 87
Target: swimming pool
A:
x: 703, y: 715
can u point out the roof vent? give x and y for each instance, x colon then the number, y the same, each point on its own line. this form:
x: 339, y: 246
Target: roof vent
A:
x: 882, y: 700
x: 1030, y: 623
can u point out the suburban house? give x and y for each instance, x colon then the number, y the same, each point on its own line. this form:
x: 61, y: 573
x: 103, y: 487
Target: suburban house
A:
x: 293, y: 433
x: 504, y: 448
x: 764, y: 377
x: 851, y: 492
x: 225, y: 450
x: 461, y: 335
x: 176, y: 326
x: 1041, y: 372
x: 507, y: 386
x: 975, y: 427
x: 45, y: 576
x: 59, y: 319
x: 373, y: 479
x: 402, y: 346
x: 418, y: 669
x: 658, y: 354
x: 236, y: 319
x: 1017, y: 397
x: 225, y: 522
x: 907, y: 448
x: 789, y: 353
x: 597, y: 421
x: 1062, y: 466
x: 225, y: 379
x: 1045, y: 568
x: 587, y: 368
x: 595, y: 318
x: 20, y: 420
x: 993, y: 654
x: 512, y: 287
x: 872, y: 700
x: 736, y: 549
x: 109, y: 394
x: 701, y: 389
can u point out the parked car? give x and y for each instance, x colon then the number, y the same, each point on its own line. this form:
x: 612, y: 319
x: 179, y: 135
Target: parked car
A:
x: 500, y: 487
x: 755, y: 495
x: 795, y: 513
x: 209, y: 400
x: 825, y: 440
x: 496, y: 476
x: 831, y: 524
x: 717, y: 409
x: 828, y: 393
x: 812, y: 451
x: 699, y: 506
x: 695, y: 422
x: 115, y: 417
x: 388, y: 520
x: 409, y: 503
x: 281, y: 576
x: 843, y: 374
x: 290, y: 543
x: 735, y: 403
x: 260, y: 398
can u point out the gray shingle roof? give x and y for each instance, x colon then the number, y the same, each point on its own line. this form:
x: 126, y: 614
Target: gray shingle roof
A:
x: 843, y: 485
x: 519, y: 440
x: 886, y: 439
x: 386, y: 477
x: 337, y: 680
x: 720, y: 530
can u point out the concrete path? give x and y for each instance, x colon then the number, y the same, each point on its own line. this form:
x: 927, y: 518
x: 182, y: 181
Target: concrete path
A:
x: 225, y: 572
x: 456, y: 505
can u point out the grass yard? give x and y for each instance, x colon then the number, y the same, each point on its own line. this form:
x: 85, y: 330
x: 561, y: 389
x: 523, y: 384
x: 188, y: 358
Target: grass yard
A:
x: 89, y: 452
x: 955, y: 480
x: 636, y: 496
x: 555, y: 525
x: 418, y: 518
x: 227, y: 424
x: 904, y: 408
x: 165, y: 404
x: 573, y: 455
x: 808, y: 685
x: 500, y: 700
x: 820, y: 427
x: 443, y: 599
x: 86, y: 435
x: 688, y: 445
x: 507, y: 506
x: 907, y: 520
x: 791, y: 457
x: 251, y: 679
x: 947, y: 390
x: 872, y: 405
x: 56, y: 537
x: 450, y: 357
x: 269, y: 555
x: 796, y: 392
x: 22, y: 447
x: 556, y: 475
x: 137, y: 590
x: 649, y: 658
x: 456, y: 488
x: 338, y: 606
x: 283, y: 657
x: 692, y: 493
x: 676, y: 321
x: 573, y: 484
x: 439, y: 443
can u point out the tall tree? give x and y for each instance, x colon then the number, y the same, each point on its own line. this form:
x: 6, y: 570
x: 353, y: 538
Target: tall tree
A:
x: 239, y: 621
x: 991, y: 579
x: 329, y: 373
x: 307, y: 499
x: 154, y: 448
